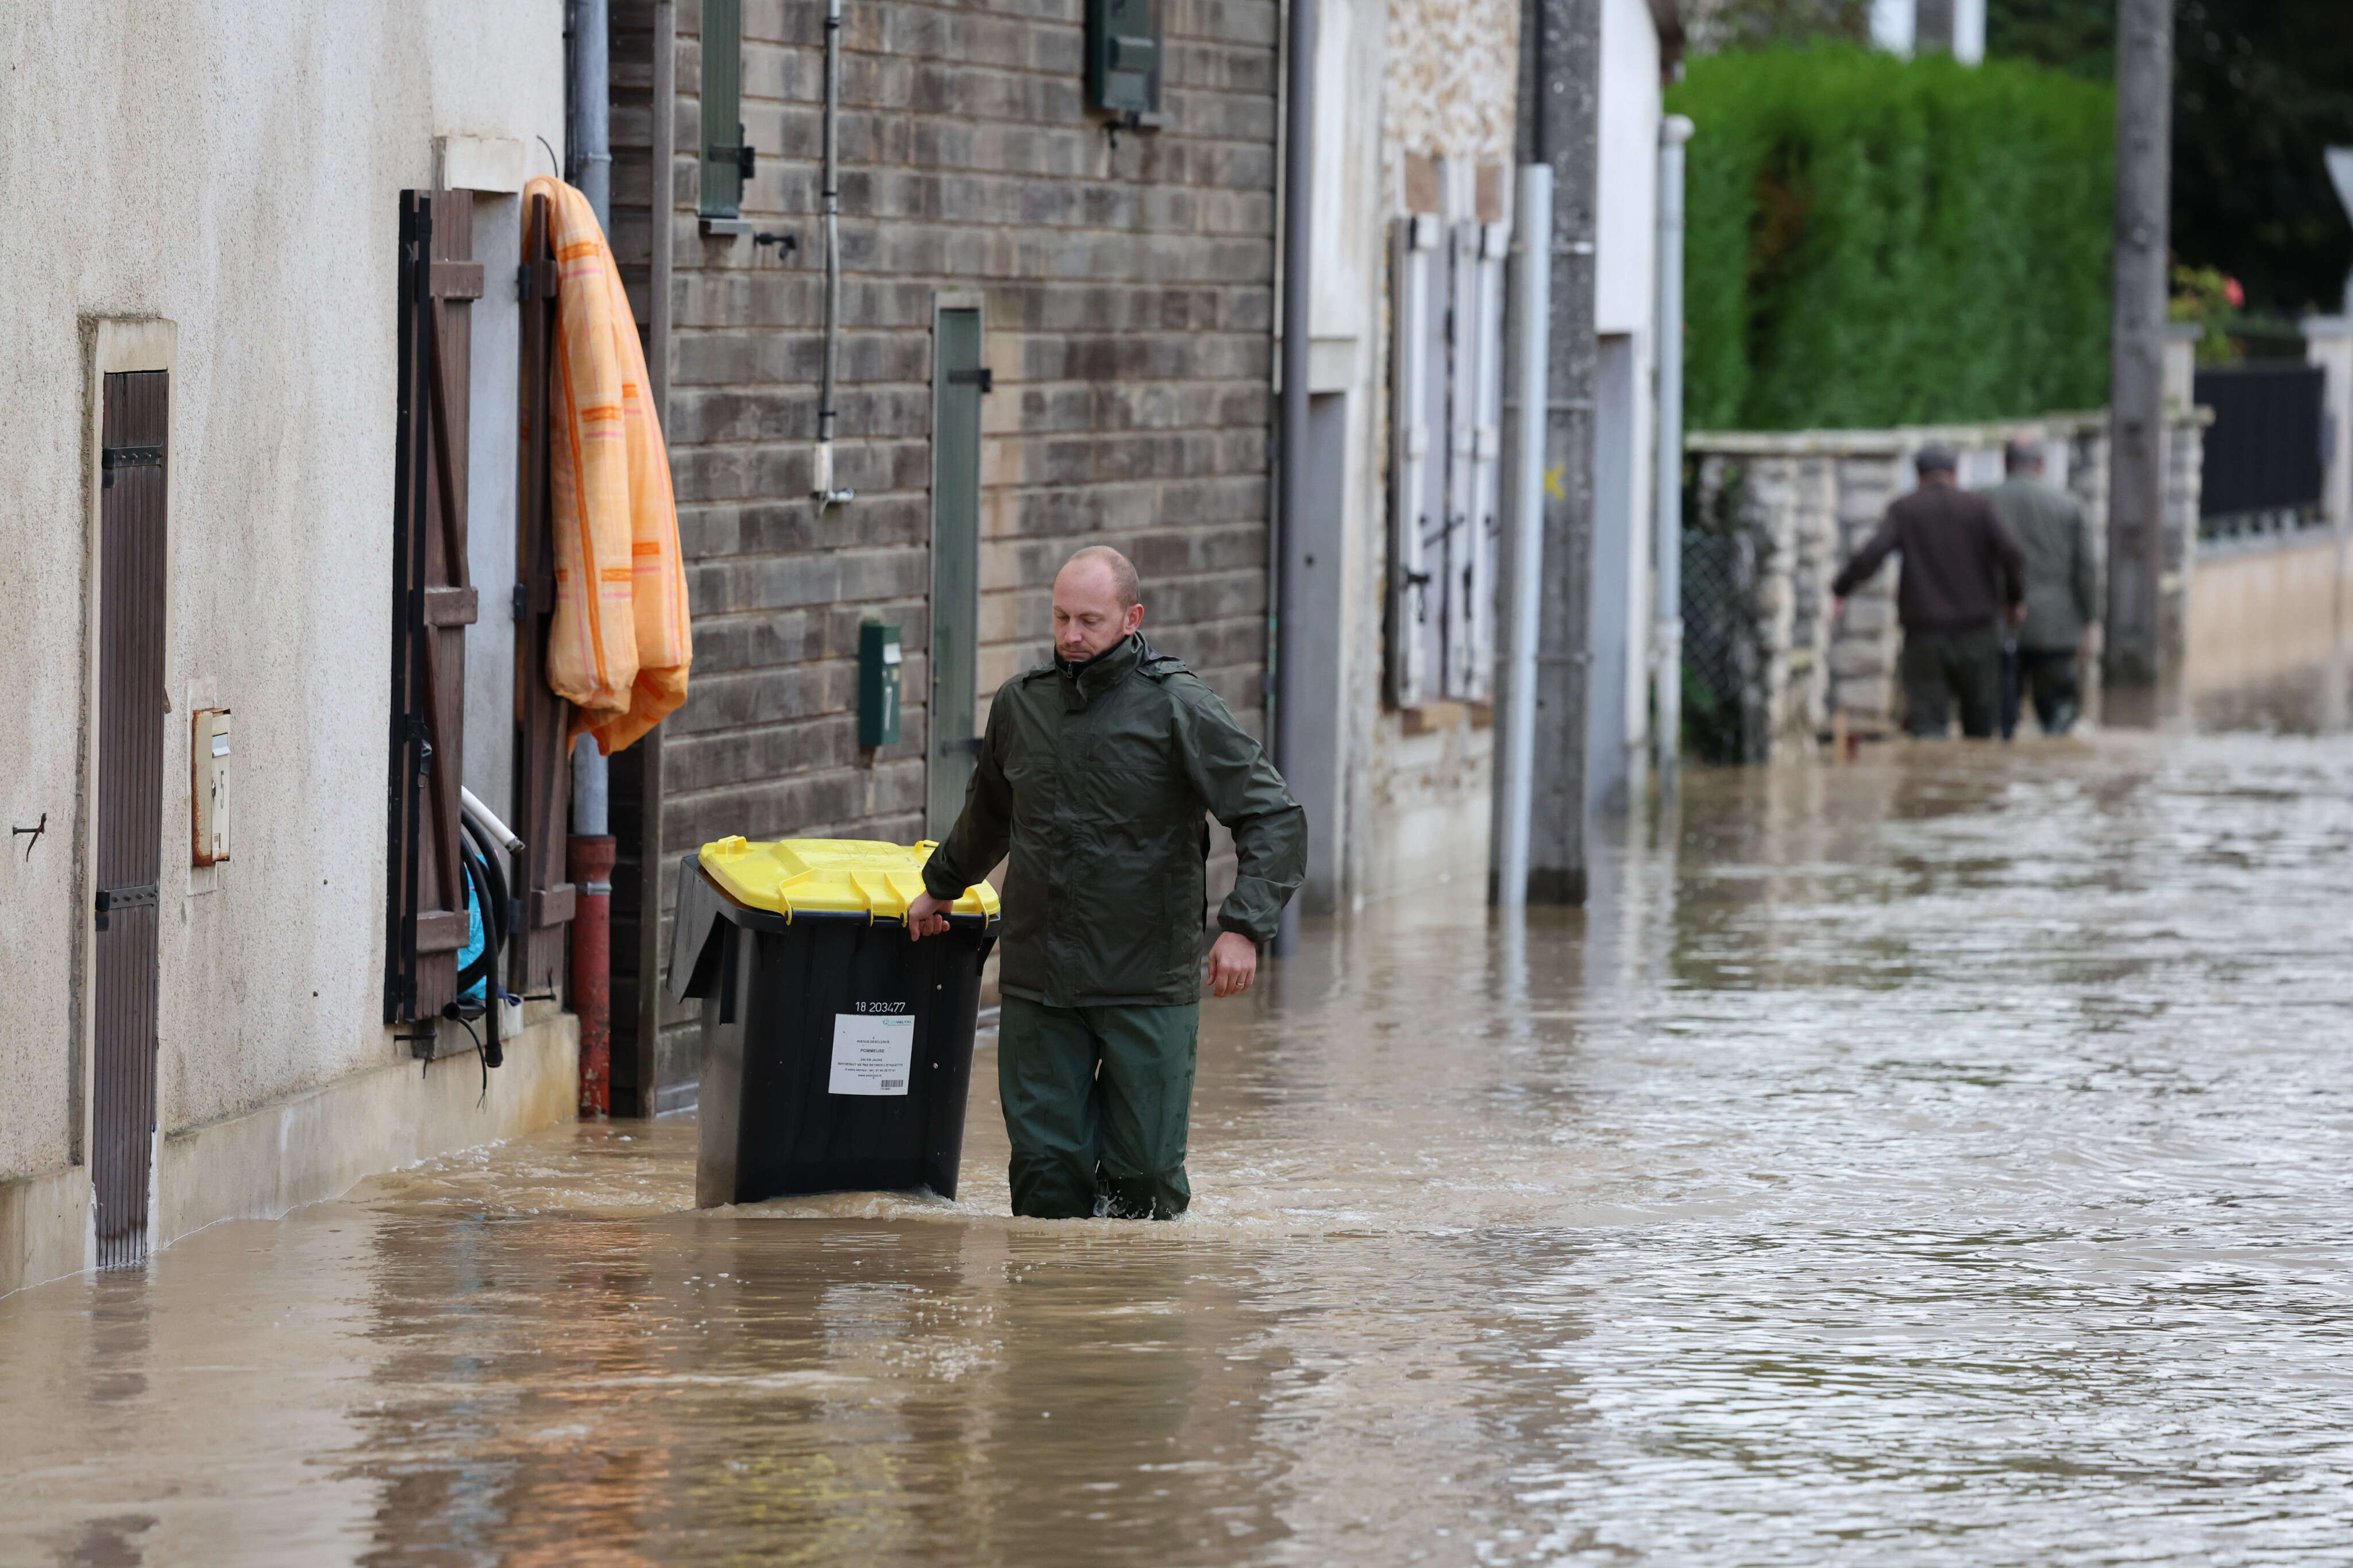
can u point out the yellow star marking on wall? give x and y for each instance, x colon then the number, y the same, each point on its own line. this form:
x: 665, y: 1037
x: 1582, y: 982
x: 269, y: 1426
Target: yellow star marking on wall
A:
x: 1552, y: 483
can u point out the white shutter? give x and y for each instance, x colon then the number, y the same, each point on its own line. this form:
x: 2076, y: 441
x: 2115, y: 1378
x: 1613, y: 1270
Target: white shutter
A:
x: 1481, y: 532
x: 1417, y: 463
x: 1461, y: 422
x: 1445, y: 425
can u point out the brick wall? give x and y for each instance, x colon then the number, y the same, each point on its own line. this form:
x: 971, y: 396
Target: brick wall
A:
x: 1127, y: 301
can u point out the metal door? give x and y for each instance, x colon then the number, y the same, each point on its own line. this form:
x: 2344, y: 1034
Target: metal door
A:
x: 131, y: 715
x: 958, y: 382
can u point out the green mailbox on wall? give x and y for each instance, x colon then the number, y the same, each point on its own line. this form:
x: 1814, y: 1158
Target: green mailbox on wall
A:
x: 1124, y: 57
x: 877, y: 685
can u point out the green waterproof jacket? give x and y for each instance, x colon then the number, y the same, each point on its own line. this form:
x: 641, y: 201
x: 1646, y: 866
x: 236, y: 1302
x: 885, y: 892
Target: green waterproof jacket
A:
x: 1099, y: 780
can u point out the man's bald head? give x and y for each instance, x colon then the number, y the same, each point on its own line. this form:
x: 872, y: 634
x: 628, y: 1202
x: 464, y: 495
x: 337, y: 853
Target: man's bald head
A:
x: 1096, y: 604
x: 1126, y: 587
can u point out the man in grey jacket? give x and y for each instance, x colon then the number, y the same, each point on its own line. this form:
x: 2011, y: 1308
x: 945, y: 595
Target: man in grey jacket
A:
x: 2061, y: 583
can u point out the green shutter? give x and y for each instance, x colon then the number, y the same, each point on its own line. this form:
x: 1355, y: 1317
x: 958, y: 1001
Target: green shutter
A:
x: 723, y: 107
x: 956, y: 385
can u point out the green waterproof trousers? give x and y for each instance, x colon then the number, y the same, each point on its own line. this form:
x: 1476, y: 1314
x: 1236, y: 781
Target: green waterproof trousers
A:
x: 1097, y: 1101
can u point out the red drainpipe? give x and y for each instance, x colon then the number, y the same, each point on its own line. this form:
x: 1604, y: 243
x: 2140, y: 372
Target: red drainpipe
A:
x: 591, y: 859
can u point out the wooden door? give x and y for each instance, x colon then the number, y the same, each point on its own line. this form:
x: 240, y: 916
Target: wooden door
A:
x: 130, y: 717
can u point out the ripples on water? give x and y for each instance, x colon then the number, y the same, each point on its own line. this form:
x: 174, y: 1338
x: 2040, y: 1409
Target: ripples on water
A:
x: 1934, y: 1161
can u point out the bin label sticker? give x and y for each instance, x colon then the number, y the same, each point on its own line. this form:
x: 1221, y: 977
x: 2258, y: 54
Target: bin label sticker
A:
x: 871, y: 1055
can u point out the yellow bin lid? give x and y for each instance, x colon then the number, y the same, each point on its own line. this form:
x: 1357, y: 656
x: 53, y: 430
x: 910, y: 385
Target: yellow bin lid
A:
x: 830, y: 875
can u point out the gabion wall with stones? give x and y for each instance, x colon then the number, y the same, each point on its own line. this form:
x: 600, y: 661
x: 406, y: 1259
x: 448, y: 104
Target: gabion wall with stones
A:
x: 1771, y: 519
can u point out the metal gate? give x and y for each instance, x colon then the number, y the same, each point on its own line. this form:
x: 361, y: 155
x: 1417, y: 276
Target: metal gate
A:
x: 1722, y: 696
x: 2264, y: 454
x: 130, y: 708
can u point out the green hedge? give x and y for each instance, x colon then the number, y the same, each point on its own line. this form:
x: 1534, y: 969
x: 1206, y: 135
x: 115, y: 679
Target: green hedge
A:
x: 1875, y: 241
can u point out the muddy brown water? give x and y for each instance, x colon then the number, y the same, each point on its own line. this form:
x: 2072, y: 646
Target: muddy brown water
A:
x: 1939, y: 1160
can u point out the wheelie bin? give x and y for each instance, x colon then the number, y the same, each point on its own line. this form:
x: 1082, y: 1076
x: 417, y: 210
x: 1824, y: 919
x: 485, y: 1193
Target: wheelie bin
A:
x: 836, y: 1049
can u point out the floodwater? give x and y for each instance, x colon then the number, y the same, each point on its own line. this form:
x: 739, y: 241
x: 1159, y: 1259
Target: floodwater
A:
x: 1937, y: 1160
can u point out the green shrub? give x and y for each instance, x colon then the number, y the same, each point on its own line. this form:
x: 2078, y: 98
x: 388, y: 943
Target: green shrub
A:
x: 1875, y: 241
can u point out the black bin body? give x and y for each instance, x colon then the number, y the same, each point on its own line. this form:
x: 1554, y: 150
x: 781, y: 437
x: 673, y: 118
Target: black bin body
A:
x: 774, y: 994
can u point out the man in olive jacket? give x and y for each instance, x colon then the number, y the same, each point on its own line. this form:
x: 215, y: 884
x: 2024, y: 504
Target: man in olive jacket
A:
x: 1098, y: 772
x: 2063, y: 581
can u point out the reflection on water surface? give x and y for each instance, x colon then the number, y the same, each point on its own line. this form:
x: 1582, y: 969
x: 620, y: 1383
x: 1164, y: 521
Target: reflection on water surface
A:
x: 1936, y: 1159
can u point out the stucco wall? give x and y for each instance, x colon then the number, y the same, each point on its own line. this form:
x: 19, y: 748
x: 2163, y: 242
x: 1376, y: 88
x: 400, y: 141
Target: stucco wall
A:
x: 235, y: 169
x: 1452, y: 69
x: 1626, y: 240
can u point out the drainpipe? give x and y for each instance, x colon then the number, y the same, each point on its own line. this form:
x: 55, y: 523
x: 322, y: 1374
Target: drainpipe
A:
x: 651, y: 858
x: 825, y: 495
x: 1529, y: 347
x: 1667, y: 536
x: 1291, y: 441
x: 590, y: 851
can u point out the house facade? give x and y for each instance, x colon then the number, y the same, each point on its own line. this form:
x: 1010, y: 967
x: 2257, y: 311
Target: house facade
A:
x: 1054, y: 331
x: 1415, y: 115
x: 289, y: 592
x: 204, y: 1014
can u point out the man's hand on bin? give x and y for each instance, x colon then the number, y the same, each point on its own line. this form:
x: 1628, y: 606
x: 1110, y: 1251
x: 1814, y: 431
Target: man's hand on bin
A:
x: 927, y: 916
x: 1233, y: 964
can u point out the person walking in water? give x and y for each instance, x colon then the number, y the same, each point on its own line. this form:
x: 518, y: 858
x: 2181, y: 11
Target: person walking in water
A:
x: 1962, y: 576
x: 1097, y: 773
x: 2055, y: 534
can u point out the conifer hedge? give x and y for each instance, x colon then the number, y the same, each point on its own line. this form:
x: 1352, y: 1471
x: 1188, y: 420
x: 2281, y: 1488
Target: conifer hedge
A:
x: 1875, y: 241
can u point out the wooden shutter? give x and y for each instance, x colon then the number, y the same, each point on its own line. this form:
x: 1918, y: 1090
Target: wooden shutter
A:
x: 951, y: 722
x: 1446, y: 417
x: 433, y: 603
x: 1449, y: 559
x: 1417, y: 459
x: 543, y: 719
x: 722, y: 108
x: 1471, y: 653
x: 133, y: 546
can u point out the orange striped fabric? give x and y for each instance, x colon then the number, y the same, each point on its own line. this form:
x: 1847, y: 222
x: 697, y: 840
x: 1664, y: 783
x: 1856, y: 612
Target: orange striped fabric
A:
x: 620, y: 649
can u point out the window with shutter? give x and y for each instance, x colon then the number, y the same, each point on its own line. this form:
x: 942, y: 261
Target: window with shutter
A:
x: 433, y: 603
x: 727, y: 158
x: 1446, y: 388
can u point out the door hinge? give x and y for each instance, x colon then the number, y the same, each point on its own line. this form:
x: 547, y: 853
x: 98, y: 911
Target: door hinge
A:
x: 112, y: 898
x: 112, y: 457
x: 744, y: 156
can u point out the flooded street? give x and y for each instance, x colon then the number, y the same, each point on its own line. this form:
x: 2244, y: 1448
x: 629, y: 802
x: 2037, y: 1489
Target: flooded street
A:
x: 1938, y: 1160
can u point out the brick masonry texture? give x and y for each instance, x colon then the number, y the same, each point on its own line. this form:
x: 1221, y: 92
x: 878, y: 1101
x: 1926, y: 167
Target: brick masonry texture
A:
x: 1127, y: 301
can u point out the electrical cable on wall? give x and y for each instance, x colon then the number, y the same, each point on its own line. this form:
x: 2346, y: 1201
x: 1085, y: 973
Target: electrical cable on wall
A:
x: 826, y: 494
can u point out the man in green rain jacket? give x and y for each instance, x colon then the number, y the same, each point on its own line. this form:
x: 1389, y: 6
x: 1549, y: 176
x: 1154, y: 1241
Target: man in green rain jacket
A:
x: 1097, y: 773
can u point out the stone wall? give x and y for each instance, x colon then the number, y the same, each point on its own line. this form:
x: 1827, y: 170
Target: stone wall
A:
x: 1809, y: 500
